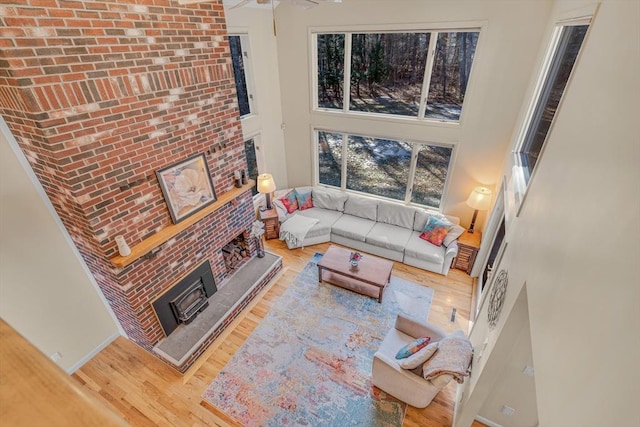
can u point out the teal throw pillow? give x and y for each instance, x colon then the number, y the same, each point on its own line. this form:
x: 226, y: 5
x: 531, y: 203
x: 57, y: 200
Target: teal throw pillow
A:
x: 413, y: 347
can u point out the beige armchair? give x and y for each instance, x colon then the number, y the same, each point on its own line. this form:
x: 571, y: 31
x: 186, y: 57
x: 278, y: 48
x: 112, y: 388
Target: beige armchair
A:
x: 401, y: 383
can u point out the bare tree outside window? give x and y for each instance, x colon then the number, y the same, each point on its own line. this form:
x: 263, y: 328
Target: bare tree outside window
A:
x: 431, y: 174
x: 378, y: 166
x: 330, y: 158
x: 330, y: 70
x: 252, y: 162
x: 450, y: 74
x: 387, y: 72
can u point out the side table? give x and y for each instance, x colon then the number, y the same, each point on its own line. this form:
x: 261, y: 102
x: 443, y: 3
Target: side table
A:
x: 271, y: 224
x: 468, y: 245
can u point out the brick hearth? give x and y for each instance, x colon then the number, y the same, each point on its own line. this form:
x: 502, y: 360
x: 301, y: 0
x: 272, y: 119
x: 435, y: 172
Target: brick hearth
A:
x: 100, y: 95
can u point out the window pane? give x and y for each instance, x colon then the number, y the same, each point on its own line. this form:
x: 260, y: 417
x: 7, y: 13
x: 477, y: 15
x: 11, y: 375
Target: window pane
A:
x: 431, y: 172
x: 238, y: 70
x: 330, y: 70
x: 330, y: 158
x: 252, y: 162
x: 450, y: 74
x: 387, y: 71
x: 560, y: 68
x: 378, y: 166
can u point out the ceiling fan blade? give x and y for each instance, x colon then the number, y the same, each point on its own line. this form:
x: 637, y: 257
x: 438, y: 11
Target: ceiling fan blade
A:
x: 242, y: 3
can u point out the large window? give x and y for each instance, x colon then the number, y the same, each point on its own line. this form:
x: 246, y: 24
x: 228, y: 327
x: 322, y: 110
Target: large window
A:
x: 393, y: 73
x: 251, y: 153
x: 400, y: 170
x: 562, y: 57
x: 239, y: 46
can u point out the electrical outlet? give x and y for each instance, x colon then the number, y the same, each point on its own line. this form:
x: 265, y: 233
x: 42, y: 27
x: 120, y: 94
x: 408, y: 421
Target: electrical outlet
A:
x: 528, y: 371
x: 56, y: 356
x: 507, y: 410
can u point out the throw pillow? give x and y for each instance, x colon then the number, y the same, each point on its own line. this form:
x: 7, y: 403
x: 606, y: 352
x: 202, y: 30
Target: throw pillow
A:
x: 455, y: 232
x: 413, y: 347
x: 290, y: 202
x: 305, y: 200
x: 419, y: 358
x: 435, y: 230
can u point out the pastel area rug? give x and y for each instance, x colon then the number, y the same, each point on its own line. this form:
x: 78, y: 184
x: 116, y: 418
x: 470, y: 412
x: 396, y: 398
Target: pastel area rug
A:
x: 308, y: 363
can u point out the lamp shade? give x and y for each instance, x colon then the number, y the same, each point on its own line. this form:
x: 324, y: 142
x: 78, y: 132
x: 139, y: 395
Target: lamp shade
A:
x: 265, y: 183
x: 480, y: 198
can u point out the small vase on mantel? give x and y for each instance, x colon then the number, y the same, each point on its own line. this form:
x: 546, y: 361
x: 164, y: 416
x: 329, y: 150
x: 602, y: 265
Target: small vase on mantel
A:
x: 123, y: 248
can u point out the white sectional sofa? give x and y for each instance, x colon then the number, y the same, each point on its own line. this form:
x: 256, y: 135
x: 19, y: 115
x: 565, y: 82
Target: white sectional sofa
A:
x: 387, y: 229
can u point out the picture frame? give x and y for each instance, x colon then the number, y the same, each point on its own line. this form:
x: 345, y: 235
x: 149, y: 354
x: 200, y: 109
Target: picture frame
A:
x: 187, y: 187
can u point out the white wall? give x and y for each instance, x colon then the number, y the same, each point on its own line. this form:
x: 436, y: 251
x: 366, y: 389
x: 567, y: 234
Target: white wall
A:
x: 265, y: 124
x: 46, y: 291
x: 506, y: 52
x: 576, y: 241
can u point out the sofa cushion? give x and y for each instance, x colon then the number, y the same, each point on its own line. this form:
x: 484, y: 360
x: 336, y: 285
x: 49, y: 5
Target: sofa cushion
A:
x: 392, y: 213
x: 423, y: 250
x: 362, y: 207
x: 420, y: 220
x: 326, y: 217
x: 388, y: 236
x: 352, y: 227
x: 328, y: 199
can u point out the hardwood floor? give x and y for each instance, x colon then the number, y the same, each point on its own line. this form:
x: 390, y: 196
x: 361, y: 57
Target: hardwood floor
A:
x: 146, y: 392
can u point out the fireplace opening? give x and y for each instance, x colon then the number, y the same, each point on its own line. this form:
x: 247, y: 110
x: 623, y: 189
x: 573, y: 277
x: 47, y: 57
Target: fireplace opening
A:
x: 235, y: 251
x: 190, y: 302
x: 184, y: 300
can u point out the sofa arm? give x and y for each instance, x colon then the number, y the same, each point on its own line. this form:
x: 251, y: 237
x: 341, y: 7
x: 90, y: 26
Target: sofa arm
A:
x: 415, y: 328
x: 449, y: 255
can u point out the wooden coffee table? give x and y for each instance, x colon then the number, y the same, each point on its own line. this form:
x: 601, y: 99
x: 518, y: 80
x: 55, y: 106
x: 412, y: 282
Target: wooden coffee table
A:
x: 369, y: 278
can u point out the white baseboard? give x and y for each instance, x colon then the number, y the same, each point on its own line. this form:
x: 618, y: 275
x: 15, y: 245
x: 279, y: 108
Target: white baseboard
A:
x: 92, y: 353
x: 489, y: 423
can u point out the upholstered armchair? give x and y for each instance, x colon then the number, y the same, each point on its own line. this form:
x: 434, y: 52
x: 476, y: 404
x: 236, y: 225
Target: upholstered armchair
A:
x: 401, y: 383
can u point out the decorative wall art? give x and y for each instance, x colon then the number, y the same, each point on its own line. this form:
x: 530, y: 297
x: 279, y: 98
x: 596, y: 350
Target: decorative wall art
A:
x: 496, y: 299
x: 187, y: 187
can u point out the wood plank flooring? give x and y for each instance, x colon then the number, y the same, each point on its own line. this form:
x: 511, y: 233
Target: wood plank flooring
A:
x: 146, y: 392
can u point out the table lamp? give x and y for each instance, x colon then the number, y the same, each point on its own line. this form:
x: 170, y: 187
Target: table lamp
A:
x: 480, y: 200
x: 266, y: 186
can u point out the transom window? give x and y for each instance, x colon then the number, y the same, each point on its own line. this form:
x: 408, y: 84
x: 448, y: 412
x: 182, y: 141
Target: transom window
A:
x: 411, y: 74
x: 412, y: 172
x: 561, y: 59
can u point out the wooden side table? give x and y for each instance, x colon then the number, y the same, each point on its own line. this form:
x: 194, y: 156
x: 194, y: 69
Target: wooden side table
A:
x: 468, y: 245
x: 271, y: 223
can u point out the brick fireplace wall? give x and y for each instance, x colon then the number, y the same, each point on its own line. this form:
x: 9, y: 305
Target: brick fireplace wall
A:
x: 100, y: 95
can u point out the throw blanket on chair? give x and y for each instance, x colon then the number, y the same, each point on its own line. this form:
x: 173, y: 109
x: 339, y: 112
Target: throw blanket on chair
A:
x: 453, y: 357
x: 294, y: 230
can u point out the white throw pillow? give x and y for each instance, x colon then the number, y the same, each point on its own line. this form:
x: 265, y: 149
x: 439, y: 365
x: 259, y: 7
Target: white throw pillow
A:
x: 419, y: 358
x: 455, y: 232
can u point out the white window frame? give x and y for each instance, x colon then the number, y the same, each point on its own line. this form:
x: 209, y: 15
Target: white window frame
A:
x: 433, y: 29
x: 415, y: 144
x: 522, y: 185
x: 247, y: 60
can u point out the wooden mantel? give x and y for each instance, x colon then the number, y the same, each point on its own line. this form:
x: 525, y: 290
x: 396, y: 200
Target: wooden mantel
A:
x: 150, y: 243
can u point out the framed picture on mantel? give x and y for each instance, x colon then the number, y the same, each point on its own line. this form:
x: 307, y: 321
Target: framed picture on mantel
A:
x: 187, y: 187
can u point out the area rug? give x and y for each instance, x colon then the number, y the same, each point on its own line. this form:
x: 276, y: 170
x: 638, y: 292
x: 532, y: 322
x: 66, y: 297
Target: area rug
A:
x: 309, y: 361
